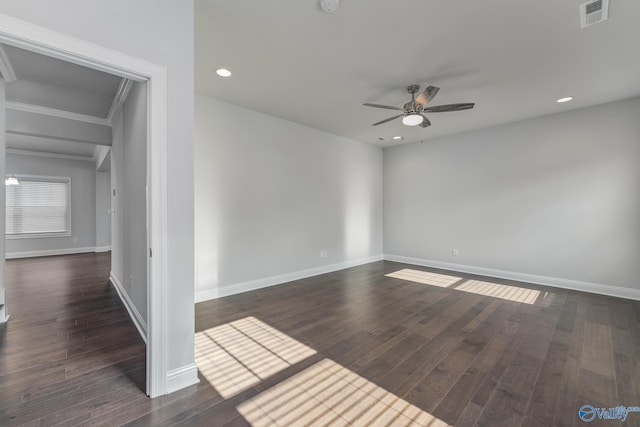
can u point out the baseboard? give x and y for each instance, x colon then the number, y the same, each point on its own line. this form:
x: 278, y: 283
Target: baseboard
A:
x: 576, y: 285
x: 141, y: 324
x: 180, y: 378
x: 49, y: 252
x: 98, y: 249
x: 252, y: 285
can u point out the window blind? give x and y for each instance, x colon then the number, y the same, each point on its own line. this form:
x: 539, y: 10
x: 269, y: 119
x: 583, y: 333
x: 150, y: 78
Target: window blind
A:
x: 37, y: 206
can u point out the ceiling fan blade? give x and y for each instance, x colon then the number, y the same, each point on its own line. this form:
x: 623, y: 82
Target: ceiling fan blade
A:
x: 388, y: 107
x: 448, y: 107
x: 426, y: 96
x: 425, y: 123
x: 387, y: 120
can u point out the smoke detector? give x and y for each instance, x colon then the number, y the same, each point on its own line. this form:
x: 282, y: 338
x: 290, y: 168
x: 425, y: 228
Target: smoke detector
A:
x: 329, y: 5
x: 593, y: 11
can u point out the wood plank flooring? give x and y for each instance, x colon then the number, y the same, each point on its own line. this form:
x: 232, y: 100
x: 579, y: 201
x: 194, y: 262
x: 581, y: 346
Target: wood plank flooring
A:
x: 423, y: 347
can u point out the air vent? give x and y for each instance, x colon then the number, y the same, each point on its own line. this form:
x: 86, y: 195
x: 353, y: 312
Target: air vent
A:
x: 593, y: 11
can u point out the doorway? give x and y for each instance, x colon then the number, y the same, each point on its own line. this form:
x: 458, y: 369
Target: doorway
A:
x: 50, y: 43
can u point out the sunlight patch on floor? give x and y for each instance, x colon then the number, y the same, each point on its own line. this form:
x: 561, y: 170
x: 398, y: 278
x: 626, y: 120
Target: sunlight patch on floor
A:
x: 425, y: 277
x: 238, y: 355
x: 329, y: 394
x: 495, y: 290
x: 506, y: 292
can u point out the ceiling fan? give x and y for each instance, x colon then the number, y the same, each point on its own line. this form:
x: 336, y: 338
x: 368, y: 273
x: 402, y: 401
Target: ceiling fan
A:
x: 412, y: 110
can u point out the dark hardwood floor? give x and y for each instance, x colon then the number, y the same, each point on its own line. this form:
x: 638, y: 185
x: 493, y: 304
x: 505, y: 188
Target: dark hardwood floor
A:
x: 380, y: 344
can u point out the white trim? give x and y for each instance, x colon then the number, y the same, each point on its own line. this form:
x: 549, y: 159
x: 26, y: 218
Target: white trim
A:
x: 118, y: 99
x: 53, y: 112
x: 6, y: 69
x: 54, y: 137
x: 42, y: 40
x: 49, y: 252
x: 52, y: 155
x: 180, y: 378
x: 4, y: 316
x: 224, y: 291
x: 576, y: 285
x: 99, y: 153
x: 99, y: 249
x: 135, y: 315
x: 157, y: 354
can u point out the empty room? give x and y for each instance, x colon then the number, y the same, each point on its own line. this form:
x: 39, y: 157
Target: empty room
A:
x: 367, y: 213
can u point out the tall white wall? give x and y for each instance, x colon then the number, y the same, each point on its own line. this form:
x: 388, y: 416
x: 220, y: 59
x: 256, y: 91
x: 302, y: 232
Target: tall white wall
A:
x: 555, y: 196
x: 83, y: 203
x: 103, y: 205
x: 161, y: 32
x: 3, y: 145
x: 272, y: 194
x: 129, y: 179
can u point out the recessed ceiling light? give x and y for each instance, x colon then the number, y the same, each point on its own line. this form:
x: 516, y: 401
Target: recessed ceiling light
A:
x: 565, y: 99
x: 223, y: 72
x: 398, y: 138
x: 329, y: 5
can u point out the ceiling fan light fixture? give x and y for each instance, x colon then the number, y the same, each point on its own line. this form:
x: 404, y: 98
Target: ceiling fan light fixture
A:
x: 412, y: 120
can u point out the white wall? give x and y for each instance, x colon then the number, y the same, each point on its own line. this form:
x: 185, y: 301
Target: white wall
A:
x: 271, y: 194
x: 161, y: 32
x: 129, y: 227
x: 555, y: 196
x: 103, y: 205
x: 3, y: 146
x: 83, y: 204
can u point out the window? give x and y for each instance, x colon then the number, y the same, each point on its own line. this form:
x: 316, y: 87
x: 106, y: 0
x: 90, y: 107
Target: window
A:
x: 38, y: 207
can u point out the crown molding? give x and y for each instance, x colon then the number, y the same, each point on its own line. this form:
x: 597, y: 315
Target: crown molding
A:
x: 100, y: 152
x: 6, y: 69
x: 119, y: 98
x: 46, y: 154
x: 37, y: 109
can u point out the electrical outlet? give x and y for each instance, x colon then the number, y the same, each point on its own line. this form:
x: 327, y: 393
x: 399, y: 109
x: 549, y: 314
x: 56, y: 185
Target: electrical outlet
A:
x: 455, y: 252
x: 75, y: 240
x: 324, y: 253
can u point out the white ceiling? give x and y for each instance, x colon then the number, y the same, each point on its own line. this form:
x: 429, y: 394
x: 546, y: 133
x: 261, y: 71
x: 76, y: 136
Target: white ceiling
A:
x: 512, y: 58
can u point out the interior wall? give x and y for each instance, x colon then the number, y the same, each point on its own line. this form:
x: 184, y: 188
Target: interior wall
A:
x: 3, y: 146
x: 272, y: 194
x: 103, y: 206
x: 555, y: 196
x: 83, y: 203
x: 129, y: 180
x: 161, y: 32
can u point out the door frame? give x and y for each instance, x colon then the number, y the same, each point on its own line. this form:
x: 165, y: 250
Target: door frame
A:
x: 42, y: 40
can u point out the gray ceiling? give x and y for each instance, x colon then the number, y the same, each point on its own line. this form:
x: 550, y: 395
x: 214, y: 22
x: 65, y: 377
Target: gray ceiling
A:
x: 512, y: 58
x: 55, y: 106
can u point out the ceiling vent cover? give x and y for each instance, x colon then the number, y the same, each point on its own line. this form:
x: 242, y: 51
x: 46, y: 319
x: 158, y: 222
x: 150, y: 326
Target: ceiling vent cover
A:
x: 593, y: 11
